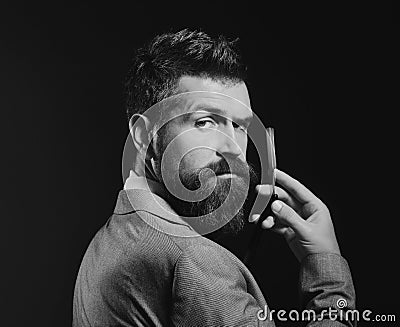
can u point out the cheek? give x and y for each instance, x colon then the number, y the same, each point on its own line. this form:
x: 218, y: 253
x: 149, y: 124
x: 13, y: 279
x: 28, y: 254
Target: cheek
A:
x: 189, y: 149
x: 188, y: 154
x: 198, y: 158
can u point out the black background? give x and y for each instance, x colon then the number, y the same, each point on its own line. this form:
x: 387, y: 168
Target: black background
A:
x: 321, y: 74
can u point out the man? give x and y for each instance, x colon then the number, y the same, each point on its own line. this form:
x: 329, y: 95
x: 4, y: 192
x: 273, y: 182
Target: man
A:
x: 157, y: 261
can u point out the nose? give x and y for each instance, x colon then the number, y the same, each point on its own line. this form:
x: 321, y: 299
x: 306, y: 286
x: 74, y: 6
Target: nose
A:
x: 229, y: 145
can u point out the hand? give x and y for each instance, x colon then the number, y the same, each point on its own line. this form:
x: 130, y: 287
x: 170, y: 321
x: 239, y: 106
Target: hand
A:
x: 302, y: 218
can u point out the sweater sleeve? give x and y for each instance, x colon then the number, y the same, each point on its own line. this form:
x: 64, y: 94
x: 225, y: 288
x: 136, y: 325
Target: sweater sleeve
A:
x: 327, y: 290
x: 210, y: 290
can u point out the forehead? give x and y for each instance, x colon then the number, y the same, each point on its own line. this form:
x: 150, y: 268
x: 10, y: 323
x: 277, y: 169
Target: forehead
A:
x: 237, y: 91
x: 205, y: 94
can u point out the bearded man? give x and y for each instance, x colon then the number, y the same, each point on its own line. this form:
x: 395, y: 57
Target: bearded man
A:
x: 157, y: 261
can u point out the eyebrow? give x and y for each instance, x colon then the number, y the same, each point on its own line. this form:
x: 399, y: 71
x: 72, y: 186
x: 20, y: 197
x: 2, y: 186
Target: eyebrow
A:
x: 243, y: 122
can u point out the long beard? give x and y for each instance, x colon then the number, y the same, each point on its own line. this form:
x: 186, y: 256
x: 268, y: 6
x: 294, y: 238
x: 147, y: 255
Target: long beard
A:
x: 228, y: 195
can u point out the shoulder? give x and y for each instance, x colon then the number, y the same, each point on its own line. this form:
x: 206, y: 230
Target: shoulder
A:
x: 206, y: 263
x: 138, y: 237
x: 145, y: 239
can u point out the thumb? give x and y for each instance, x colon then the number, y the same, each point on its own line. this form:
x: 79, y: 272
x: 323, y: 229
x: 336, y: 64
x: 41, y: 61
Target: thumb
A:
x: 288, y: 217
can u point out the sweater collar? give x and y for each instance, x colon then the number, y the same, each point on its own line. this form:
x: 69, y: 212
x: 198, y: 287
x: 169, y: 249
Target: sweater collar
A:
x: 141, y: 194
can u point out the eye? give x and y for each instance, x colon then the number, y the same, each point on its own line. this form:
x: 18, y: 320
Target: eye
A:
x: 244, y: 129
x: 205, y: 123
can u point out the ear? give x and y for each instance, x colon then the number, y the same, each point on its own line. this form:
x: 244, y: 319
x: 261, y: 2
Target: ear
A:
x: 140, y: 130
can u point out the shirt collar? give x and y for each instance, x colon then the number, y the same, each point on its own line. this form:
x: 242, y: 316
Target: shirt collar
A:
x: 134, y: 181
x: 143, y: 194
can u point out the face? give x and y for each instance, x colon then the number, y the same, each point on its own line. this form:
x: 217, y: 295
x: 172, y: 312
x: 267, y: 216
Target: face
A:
x: 207, y: 132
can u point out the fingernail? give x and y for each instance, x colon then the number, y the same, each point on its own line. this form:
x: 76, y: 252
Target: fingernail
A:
x: 269, y: 222
x: 276, y: 206
x: 253, y: 217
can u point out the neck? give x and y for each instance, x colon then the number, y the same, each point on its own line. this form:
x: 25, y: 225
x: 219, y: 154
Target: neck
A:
x: 144, y: 168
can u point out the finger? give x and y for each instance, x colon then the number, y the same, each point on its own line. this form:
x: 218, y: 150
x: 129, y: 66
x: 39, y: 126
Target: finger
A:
x: 298, y: 190
x: 287, y: 198
x: 268, y: 223
x: 287, y: 216
x: 265, y: 191
x: 279, y: 228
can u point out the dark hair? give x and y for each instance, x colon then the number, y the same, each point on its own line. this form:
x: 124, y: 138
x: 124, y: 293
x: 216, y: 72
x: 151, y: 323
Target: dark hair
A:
x: 157, y: 67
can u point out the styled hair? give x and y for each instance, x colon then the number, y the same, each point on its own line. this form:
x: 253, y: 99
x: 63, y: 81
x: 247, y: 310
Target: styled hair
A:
x: 157, y: 67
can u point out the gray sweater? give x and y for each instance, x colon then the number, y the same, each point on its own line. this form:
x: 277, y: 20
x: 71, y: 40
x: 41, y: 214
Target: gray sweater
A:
x: 147, y: 267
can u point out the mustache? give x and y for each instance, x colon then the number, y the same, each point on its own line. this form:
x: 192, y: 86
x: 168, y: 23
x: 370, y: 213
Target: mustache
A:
x: 191, y: 179
x: 236, y: 166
